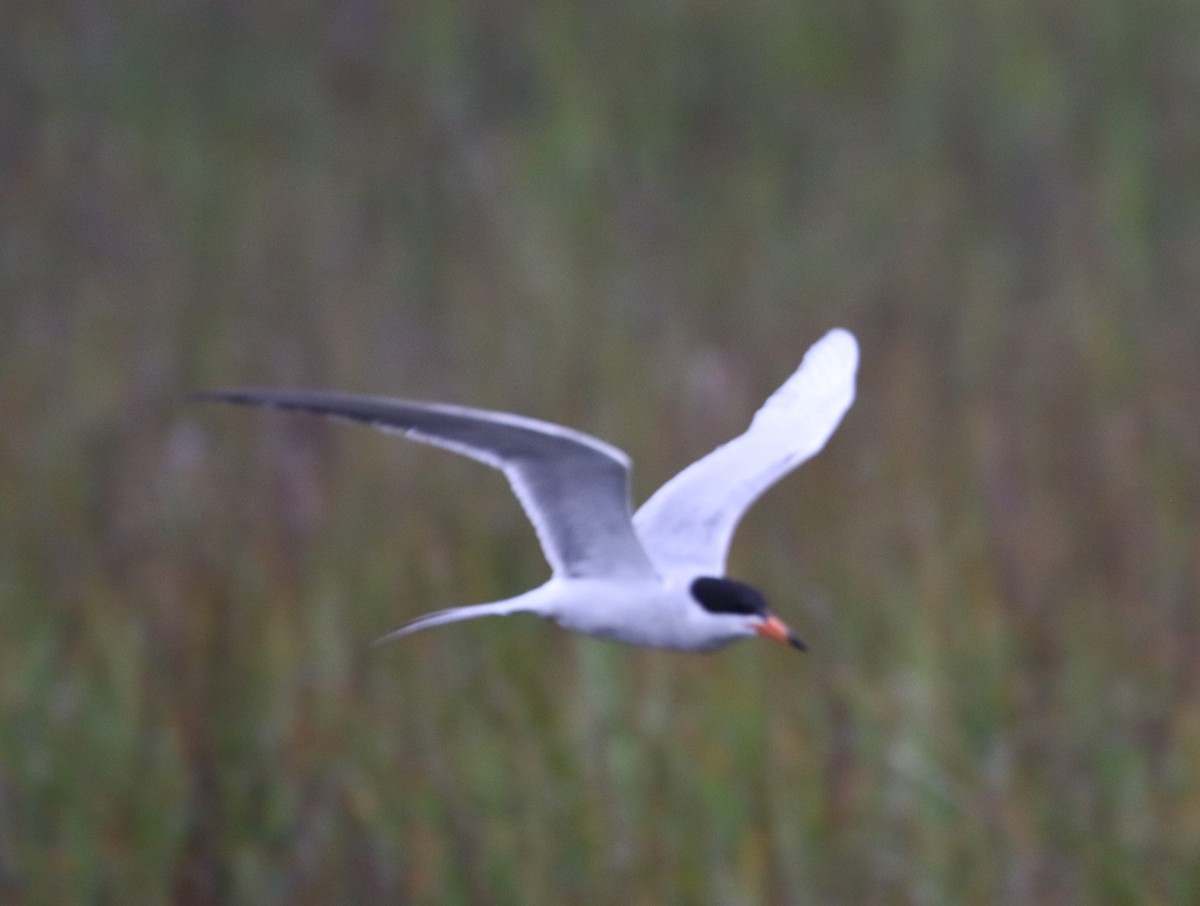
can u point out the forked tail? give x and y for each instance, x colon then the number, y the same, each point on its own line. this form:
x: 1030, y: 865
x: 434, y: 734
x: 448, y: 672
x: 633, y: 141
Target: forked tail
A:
x: 521, y: 604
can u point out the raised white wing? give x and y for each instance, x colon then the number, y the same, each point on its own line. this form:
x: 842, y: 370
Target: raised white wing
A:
x: 573, y: 487
x: 688, y: 524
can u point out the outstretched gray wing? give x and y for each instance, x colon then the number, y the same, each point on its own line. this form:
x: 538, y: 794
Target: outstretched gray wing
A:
x: 688, y: 523
x: 573, y: 487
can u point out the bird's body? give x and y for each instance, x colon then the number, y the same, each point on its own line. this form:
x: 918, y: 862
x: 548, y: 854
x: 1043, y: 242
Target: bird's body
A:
x: 655, y: 578
x: 656, y: 613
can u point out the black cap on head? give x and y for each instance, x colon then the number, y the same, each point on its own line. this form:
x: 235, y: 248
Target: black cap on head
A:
x: 729, y: 596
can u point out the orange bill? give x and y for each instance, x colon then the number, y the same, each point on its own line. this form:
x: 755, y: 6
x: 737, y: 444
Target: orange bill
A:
x: 774, y: 628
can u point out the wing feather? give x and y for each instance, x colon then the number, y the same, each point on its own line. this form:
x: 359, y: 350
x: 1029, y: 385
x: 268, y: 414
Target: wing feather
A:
x: 573, y: 487
x: 687, y: 524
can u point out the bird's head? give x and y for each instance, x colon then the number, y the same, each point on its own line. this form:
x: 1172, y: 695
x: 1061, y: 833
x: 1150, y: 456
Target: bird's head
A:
x: 744, y: 607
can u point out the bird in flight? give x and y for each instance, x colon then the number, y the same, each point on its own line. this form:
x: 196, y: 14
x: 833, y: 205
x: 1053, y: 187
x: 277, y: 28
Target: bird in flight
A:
x: 653, y: 578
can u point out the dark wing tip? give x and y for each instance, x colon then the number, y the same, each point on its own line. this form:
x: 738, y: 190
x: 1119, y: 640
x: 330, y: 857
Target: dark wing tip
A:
x: 224, y: 396
x: 303, y: 400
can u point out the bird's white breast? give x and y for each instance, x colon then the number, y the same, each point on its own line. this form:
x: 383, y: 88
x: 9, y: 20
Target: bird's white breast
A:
x: 654, y: 613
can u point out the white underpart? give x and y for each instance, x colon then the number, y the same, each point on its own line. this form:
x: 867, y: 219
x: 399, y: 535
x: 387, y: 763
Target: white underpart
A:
x: 607, y: 609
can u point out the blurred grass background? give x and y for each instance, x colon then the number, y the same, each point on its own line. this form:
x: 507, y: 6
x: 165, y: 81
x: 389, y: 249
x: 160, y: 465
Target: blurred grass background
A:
x: 632, y: 218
